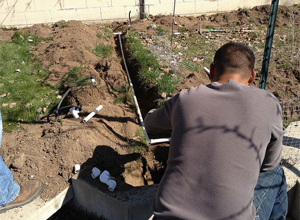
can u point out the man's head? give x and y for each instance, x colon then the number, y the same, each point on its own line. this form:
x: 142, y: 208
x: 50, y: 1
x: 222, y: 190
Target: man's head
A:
x: 233, y: 61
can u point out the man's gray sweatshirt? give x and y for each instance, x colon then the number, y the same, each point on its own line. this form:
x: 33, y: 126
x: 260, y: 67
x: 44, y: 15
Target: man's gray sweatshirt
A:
x: 223, y: 135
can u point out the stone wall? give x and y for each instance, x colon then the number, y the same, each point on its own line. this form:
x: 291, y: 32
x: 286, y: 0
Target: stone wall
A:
x: 29, y: 12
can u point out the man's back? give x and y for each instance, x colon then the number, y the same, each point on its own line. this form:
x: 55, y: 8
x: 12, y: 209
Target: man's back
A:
x: 220, y: 134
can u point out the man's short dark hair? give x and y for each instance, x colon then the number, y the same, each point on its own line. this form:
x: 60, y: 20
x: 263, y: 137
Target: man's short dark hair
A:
x: 234, y: 58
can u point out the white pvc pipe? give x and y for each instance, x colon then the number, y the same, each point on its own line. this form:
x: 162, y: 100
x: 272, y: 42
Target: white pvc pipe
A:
x: 74, y: 112
x: 95, y: 172
x: 92, y: 114
x: 150, y: 141
x: 159, y: 140
x: 207, y: 70
x: 111, y: 185
x: 76, y: 168
x: 104, y: 177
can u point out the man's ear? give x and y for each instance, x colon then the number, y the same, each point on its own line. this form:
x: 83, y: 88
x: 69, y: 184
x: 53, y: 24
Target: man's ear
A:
x: 211, y: 71
x: 251, y: 78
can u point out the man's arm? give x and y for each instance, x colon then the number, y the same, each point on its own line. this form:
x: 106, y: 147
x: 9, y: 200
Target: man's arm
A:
x: 274, y: 148
x: 159, y: 120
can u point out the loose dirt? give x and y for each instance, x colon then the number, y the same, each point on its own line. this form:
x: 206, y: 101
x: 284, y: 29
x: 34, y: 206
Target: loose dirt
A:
x: 48, y: 150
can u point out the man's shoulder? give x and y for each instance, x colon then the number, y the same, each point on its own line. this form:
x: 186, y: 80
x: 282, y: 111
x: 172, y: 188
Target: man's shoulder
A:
x: 263, y: 92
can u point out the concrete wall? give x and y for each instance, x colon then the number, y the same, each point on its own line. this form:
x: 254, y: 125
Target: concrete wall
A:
x: 29, y: 12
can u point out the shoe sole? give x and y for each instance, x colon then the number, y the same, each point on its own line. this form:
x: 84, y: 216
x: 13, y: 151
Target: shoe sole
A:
x: 17, y: 205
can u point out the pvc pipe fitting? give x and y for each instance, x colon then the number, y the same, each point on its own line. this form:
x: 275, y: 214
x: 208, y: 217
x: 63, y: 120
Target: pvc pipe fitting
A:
x: 95, y: 172
x: 76, y: 168
x: 74, y: 112
x: 94, y: 83
x: 111, y: 185
x: 92, y: 114
x: 206, y: 70
x: 104, y: 177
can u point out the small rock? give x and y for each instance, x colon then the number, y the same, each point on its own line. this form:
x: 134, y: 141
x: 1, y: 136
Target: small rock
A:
x: 18, y: 70
x: 1, y: 84
x: 19, y: 161
x: 30, y: 40
x: 12, y: 105
x: 164, y: 95
x: 44, y: 109
x: 153, y: 26
x: 11, y: 81
x: 39, y: 110
x: 4, y: 104
x: 195, y: 59
x: 2, y: 95
x: 59, y: 97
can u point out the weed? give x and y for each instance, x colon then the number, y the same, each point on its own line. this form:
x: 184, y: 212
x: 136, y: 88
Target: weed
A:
x: 209, y: 27
x: 254, y: 35
x: 160, y: 31
x: 25, y: 39
x: 138, y: 146
x: 103, y: 51
x: 73, y: 77
x: 125, y: 96
x: 105, y: 32
x: 63, y: 25
x: 182, y: 29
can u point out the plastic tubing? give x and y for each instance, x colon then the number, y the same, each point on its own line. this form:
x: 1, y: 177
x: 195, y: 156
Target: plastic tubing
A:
x: 92, y: 114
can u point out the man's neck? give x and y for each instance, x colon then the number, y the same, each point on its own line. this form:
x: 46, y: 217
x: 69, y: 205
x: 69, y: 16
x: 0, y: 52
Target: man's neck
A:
x: 224, y: 78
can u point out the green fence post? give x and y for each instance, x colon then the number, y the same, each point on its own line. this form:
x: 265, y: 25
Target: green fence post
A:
x: 268, y: 46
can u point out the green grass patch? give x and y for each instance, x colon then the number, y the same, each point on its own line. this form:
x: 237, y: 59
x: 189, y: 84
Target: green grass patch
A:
x: 104, y: 32
x: 73, y: 77
x: 160, y: 31
x: 22, y: 82
x: 149, y: 73
x: 102, y: 50
x: 138, y: 146
x: 182, y: 29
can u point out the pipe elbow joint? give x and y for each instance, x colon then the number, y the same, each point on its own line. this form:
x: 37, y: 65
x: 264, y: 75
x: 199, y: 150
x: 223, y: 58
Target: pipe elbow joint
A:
x: 95, y: 172
x: 104, y: 177
x: 111, y: 185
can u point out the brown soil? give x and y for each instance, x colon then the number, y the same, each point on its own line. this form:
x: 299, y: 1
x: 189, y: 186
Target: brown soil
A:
x: 49, y: 150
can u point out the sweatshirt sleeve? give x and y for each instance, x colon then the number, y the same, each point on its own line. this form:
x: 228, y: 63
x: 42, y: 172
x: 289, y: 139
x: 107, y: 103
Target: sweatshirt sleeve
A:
x: 274, y: 148
x: 159, y: 120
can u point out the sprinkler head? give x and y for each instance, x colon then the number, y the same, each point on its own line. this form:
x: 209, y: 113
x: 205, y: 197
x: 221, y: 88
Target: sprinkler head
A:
x: 93, y: 81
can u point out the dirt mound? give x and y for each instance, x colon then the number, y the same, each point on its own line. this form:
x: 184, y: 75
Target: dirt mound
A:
x: 49, y: 150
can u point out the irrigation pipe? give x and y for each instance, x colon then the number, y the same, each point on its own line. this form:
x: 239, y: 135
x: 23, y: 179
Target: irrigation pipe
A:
x: 173, y: 21
x: 58, y: 108
x: 150, y: 141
